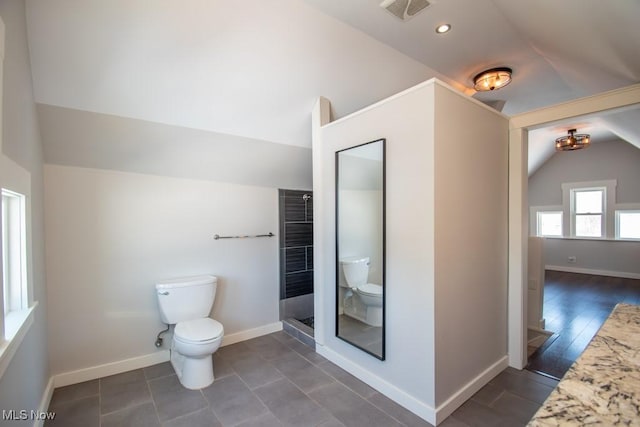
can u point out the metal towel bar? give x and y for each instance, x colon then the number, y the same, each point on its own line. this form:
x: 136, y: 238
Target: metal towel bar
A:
x: 217, y: 236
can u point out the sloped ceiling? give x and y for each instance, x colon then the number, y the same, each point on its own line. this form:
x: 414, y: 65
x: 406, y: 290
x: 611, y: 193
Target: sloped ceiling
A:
x: 254, y: 69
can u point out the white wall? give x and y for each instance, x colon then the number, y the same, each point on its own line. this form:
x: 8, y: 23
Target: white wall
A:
x: 111, y: 235
x: 471, y: 182
x: 446, y: 268
x: 617, y: 160
x: 24, y: 384
x: 406, y: 123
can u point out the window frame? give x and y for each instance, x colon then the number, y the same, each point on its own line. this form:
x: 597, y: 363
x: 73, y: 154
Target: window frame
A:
x: 535, y: 220
x: 625, y: 208
x: 15, y: 324
x: 569, y: 190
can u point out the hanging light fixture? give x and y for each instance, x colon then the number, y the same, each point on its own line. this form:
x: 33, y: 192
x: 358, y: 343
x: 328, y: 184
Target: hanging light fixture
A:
x: 573, y: 141
x: 495, y: 78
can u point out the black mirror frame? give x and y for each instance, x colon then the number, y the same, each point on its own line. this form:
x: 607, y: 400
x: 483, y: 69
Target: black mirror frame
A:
x: 384, y: 249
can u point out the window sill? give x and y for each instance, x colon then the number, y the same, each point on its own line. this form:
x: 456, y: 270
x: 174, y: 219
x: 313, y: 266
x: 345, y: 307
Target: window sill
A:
x: 596, y: 239
x: 16, y: 325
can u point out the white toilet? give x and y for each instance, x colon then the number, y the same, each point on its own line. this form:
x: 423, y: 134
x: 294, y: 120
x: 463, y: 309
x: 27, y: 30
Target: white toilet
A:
x: 362, y: 300
x: 186, y: 303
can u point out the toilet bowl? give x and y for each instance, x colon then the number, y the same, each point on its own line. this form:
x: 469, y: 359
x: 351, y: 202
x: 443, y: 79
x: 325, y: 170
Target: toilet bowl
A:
x: 362, y: 300
x: 186, y: 303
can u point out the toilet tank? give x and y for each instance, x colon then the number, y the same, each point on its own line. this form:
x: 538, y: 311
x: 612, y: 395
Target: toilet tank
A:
x: 356, y: 270
x: 186, y: 298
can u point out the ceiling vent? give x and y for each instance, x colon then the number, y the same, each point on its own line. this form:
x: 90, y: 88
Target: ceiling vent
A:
x: 405, y: 9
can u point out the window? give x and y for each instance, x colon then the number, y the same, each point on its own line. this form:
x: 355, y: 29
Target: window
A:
x: 549, y: 223
x: 587, y: 212
x: 628, y: 224
x: 589, y: 209
x: 14, y: 277
x: 16, y: 299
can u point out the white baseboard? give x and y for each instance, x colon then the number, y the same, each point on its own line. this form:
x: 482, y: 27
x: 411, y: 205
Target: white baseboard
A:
x: 421, y: 409
x: 44, y: 402
x: 251, y: 333
x: 624, y: 275
x: 94, y: 372
x: 468, y: 390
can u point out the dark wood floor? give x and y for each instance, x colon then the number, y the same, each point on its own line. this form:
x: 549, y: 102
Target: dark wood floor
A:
x: 575, y: 307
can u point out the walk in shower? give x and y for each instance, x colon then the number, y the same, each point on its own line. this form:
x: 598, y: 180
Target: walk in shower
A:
x: 296, y: 263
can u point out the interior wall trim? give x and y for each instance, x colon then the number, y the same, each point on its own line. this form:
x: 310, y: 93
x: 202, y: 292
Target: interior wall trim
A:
x: 402, y: 398
x: 469, y: 389
x: 118, y: 367
x: 45, y: 401
x: 594, y: 272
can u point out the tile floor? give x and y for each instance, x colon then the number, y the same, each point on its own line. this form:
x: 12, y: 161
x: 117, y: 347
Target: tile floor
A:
x: 276, y: 380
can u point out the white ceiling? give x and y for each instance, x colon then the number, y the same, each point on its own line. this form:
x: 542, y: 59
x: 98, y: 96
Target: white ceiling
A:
x: 254, y: 69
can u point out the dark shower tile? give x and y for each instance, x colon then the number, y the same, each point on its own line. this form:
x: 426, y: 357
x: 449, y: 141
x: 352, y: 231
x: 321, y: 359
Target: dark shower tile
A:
x: 310, y: 209
x: 294, y: 209
x: 309, y: 257
x: 295, y: 260
x: 298, y: 234
x: 297, y: 284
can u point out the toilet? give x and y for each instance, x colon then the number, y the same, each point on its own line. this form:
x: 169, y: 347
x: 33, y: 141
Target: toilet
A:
x: 362, y: 300
x: 186, y: 303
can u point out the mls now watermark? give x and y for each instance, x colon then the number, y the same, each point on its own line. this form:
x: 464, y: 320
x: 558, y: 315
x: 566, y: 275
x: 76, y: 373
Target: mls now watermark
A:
x: 23, y: 415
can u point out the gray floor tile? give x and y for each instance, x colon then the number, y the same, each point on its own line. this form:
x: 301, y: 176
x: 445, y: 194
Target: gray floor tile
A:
x: 268, y: 347
x: 73, y: 392
x: 488, y: 394
x: 451, y: 421
x: 332, y: 423
x: 136, y: 416
x: 350, y: 408
x: 221, y: 366
x: 396, y: 411
x: 232, y: 401
x: 235, y: 352
x: 301, y: 372
x: 291, y: 406
x: 347, y: 379
x: 265, y: 420
x: 77, y: 413
x: 475, y: 414
x: 173, y: 400
x: 515, y: 406
x: 159, y: 370
x: 517, y: 384
x: 202, y: 418
x: 255, y: 372
x: 123, y: 390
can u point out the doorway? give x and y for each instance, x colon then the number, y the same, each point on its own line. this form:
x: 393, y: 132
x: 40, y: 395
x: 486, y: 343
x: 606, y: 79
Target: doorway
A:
x: 296, y: 263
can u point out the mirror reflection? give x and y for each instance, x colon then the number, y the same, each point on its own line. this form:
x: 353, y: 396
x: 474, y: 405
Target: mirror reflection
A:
x: 360, y: 250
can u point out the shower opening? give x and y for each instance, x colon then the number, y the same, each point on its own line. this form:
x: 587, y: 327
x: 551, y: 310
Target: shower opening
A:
x: 296, y: 263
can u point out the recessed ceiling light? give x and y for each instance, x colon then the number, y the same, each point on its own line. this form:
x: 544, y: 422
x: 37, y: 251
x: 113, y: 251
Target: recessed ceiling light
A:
x: 443, y: 28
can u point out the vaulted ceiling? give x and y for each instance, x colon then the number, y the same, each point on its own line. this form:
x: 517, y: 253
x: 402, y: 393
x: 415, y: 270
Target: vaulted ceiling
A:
x: 253, y: 69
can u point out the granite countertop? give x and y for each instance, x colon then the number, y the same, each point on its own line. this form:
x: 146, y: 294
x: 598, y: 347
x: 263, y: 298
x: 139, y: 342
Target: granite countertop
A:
x: 603, y: 386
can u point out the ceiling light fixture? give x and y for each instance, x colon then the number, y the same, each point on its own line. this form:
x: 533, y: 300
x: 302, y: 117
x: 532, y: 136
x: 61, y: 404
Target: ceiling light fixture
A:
x: 573, y: 141
x: 495, y: 78
x: 443, y: 28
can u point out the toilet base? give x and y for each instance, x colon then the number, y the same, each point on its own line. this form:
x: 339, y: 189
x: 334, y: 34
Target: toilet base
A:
x: 371, y: 315
x: 193, y: 373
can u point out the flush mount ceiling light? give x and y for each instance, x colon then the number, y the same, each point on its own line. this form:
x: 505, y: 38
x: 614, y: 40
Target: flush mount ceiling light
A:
x: 492, y: 79
x: 443, y: 28
x: 573, y: 141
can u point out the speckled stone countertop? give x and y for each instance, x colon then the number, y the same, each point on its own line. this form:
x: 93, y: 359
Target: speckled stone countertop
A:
x: 603, y: 386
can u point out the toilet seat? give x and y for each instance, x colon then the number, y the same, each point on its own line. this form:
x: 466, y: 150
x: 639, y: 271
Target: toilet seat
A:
x: 198, y: 331
x: 370, y: 289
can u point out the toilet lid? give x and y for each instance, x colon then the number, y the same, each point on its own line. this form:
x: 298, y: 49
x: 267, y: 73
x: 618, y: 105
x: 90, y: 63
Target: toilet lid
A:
x: 204, y: 329
x: 371, y: 289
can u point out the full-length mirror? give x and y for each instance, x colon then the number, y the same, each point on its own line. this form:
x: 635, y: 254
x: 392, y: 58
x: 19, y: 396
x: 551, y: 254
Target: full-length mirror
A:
x: 360, y: 251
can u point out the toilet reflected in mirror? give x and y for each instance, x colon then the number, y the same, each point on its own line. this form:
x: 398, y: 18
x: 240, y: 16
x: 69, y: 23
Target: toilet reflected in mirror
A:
x: 360, y: 215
